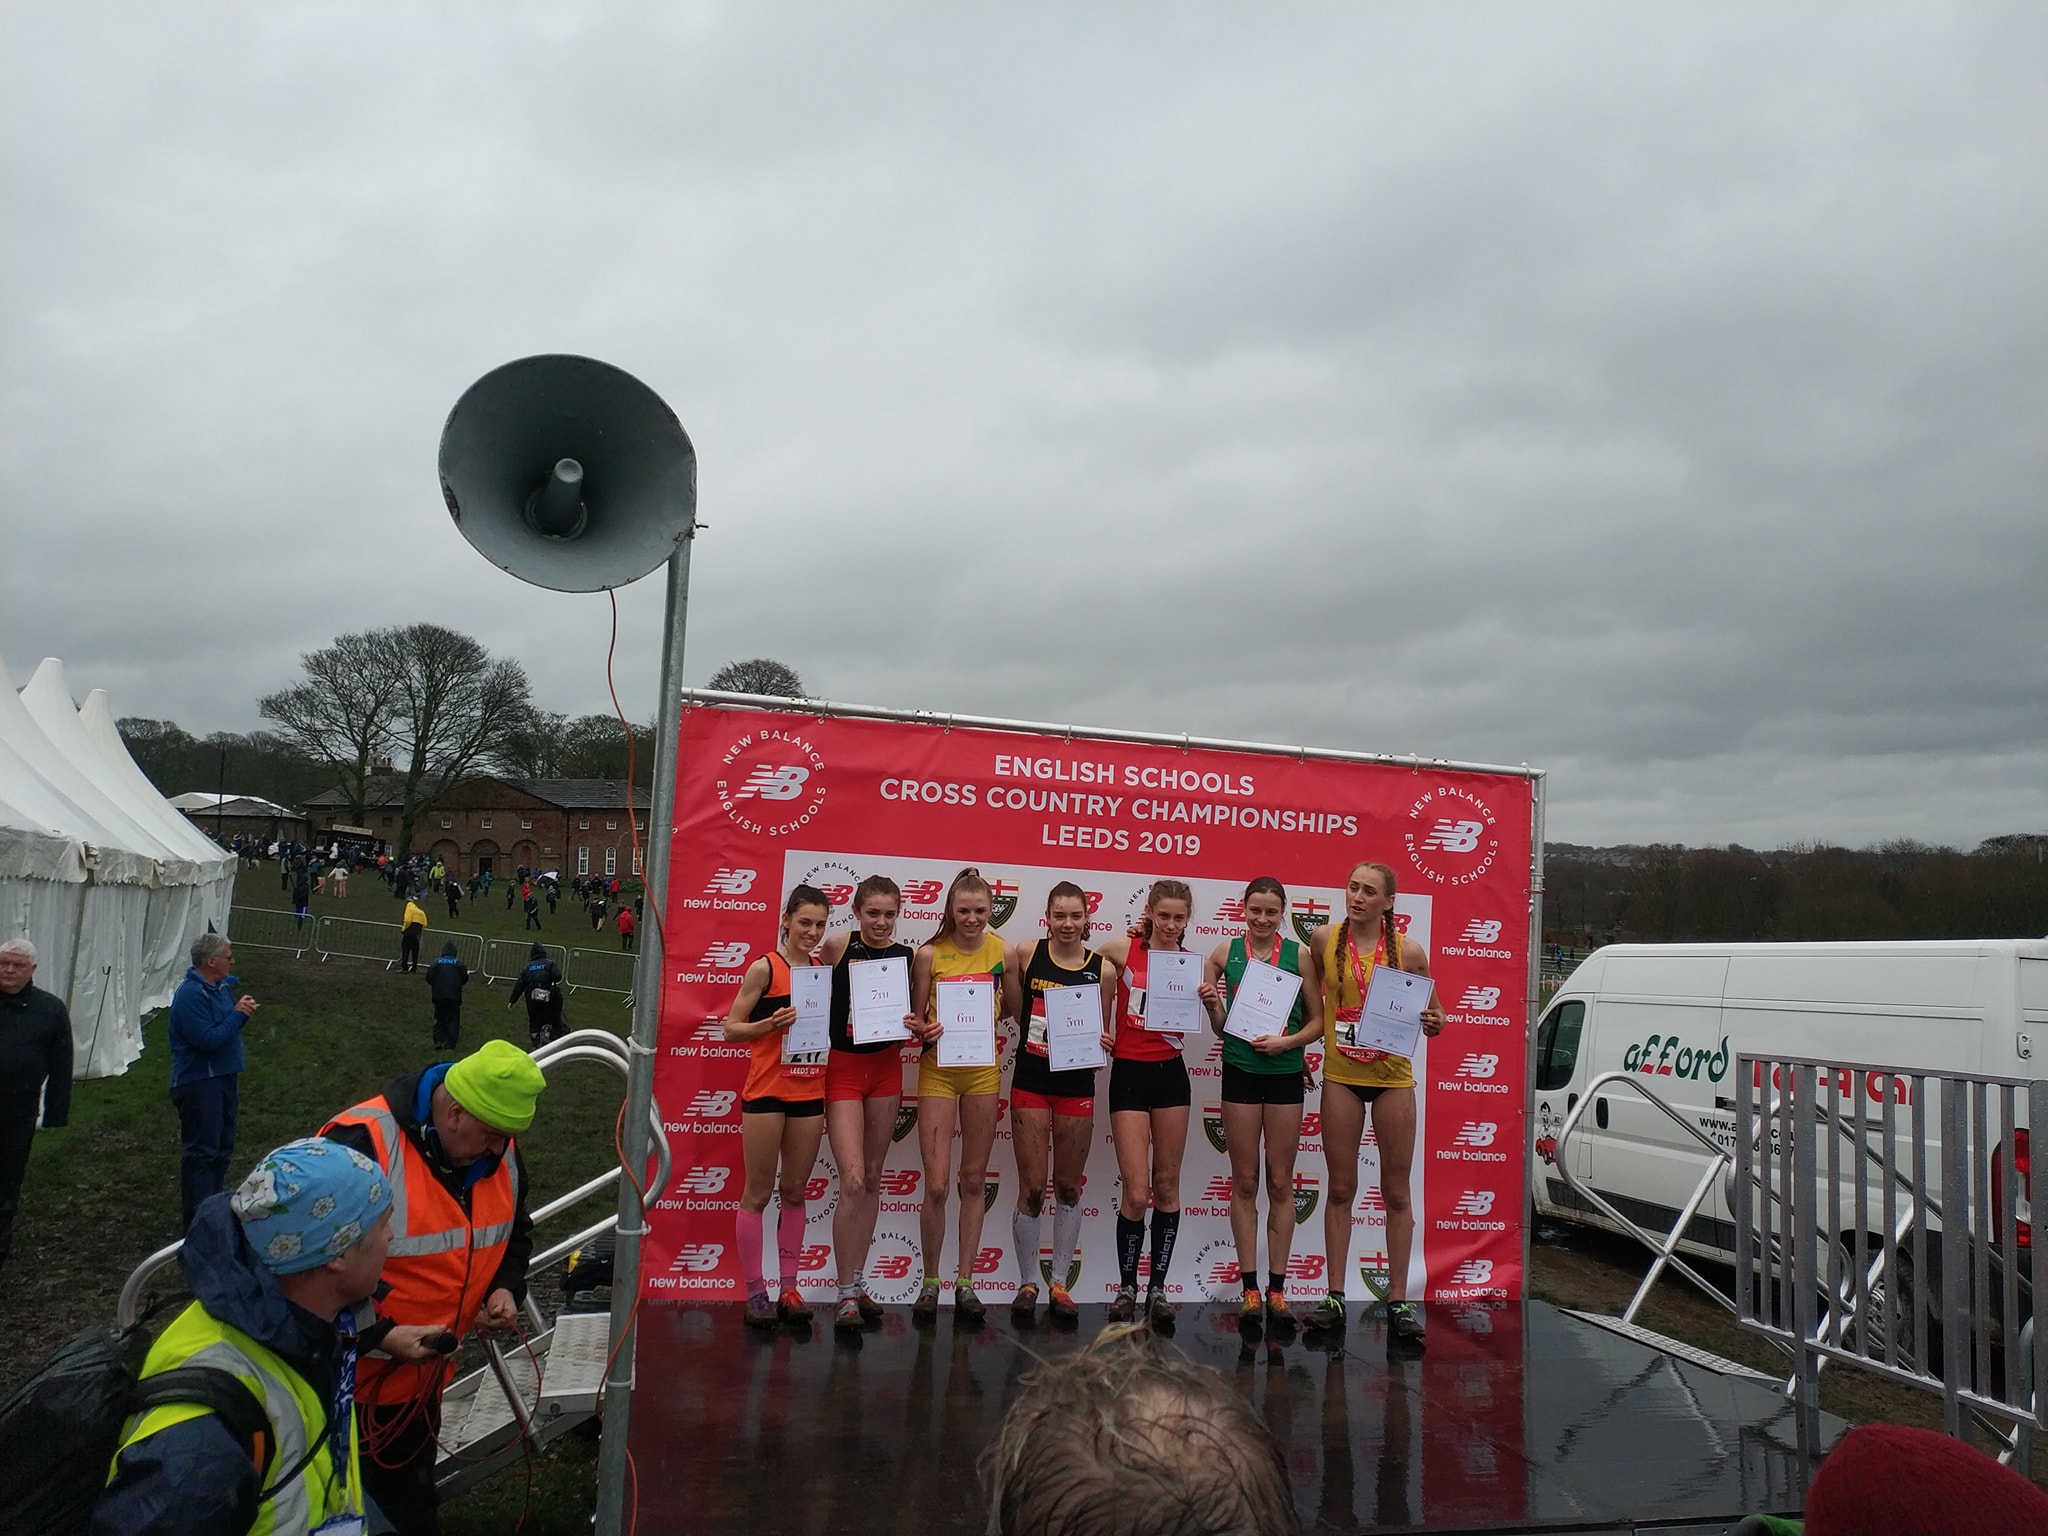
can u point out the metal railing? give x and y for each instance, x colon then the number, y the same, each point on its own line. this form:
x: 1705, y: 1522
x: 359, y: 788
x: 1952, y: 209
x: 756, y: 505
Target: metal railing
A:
x: 362, y: 939
x: 505, y: 958
x: 1843, y: 1247
x: 268, y: 928
x: 602, y: 970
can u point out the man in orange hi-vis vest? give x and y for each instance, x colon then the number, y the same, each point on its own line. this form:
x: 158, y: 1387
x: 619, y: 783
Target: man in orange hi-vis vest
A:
x: 460, y: 1240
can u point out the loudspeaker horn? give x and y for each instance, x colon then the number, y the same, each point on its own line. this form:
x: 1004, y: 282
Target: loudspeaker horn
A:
x: 568, y: 472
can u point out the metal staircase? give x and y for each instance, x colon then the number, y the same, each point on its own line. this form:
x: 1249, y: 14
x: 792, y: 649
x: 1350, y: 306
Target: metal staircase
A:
x: 528, y: 1395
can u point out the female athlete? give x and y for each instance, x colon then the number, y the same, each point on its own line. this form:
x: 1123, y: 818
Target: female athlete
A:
x: 1048, y: 1105
x: 1148, y: 1106
x: 1263, y: 1089
x: 863, y: 1086
x: 1340, y: 965
x: 781, y: 1108
x: 962, y: 950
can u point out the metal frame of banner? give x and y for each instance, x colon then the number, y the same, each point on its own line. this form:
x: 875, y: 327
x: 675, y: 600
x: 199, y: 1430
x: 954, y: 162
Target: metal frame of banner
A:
x: 828, y: 709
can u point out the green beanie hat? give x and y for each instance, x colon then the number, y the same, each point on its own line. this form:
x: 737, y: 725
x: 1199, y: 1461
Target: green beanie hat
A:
x: 498, y: 1084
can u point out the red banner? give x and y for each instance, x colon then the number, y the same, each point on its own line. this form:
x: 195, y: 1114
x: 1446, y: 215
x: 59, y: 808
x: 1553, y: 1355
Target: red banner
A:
x: 768, y: 800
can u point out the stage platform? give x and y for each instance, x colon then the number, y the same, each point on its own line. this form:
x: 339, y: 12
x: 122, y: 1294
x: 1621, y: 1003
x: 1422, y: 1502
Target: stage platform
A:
x: 1517, y: 1417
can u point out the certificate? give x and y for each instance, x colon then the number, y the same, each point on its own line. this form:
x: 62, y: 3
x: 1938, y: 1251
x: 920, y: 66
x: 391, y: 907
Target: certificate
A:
x: 1391, y: 1019
x: 967, y: 1016
x: 880, y: 996
x: 1073, y: 1028
x: 1263, y: 1002
x: 810, y: 1037
x: 1171, y: 1003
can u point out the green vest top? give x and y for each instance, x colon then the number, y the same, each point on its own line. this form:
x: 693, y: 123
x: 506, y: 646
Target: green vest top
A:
x: 1239, y: 1053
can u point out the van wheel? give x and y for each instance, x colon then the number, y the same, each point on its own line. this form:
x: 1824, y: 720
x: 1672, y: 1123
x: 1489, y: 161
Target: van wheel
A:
x: 1916, y: 1329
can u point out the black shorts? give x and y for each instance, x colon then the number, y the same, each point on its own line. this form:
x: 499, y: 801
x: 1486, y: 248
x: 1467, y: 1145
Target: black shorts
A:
x: 796, y: 1109
x: 1242, y: 1087
x: 1144, y: 1086
x: 1365, y: 1095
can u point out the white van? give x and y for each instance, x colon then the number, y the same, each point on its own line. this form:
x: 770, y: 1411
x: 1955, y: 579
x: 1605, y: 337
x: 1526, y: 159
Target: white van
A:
x: 1680, y: 1014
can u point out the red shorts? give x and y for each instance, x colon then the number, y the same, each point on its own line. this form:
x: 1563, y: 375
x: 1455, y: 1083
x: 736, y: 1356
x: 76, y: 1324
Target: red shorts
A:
x: 1078, y: 1107
x: 863, y: 1075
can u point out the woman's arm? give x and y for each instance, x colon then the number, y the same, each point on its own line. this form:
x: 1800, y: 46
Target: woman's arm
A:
x: 738, y: 1027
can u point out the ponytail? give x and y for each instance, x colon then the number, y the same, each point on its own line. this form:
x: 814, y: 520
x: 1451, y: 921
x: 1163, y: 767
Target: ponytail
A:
x: 969, y: 879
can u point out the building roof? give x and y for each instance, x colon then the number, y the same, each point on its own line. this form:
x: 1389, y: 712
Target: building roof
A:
x: 586, y: 794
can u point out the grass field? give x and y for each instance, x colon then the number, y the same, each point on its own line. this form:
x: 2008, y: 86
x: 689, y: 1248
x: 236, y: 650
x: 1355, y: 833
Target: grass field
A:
x: 103, y: 1193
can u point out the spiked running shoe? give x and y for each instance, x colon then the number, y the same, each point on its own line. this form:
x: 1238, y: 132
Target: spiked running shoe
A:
x: 846, y: 1316
x: 967, y: 1306
x: 926, y: 1308
x: 1404, y: 1323
x: 1327, y: 1313
x: 1278, y: 1313
x: 792, y: 1308
x: 1125, y: 1308
x: 1253, y: 1307
x: 870, y: 1309
x: 1024, y: 1303
x: 1158, y: 1310
x: 1060, y: 1302
x: 760, y: 1311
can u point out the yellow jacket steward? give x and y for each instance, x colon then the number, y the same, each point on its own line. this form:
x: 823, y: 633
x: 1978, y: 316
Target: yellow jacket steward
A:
x: 457, y: 1234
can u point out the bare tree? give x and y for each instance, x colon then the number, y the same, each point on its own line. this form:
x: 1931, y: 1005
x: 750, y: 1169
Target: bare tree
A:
x: 339, y: 713
x: 452, y: 708
x: 534, y: 748
x: 761, y: 675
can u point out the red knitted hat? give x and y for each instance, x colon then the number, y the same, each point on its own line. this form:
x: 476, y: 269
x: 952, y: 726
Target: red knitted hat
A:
x: 1888, y: 1480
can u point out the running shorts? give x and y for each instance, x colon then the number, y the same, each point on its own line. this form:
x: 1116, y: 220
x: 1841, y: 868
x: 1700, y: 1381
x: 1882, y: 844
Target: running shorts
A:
x: 863, y: 1075
x: 1148, y: 1085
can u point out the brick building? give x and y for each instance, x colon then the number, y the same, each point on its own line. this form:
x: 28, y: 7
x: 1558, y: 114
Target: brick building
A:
x: 577, y: 826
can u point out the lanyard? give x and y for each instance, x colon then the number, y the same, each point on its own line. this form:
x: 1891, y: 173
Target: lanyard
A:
x: 1359, y: 969
x: 344, y: 1391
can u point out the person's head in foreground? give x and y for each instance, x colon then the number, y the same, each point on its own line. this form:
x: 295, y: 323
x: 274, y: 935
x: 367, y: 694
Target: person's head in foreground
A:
x: 317, y: 1215
x: 1131, y: 1438
x: 1889, y: 1480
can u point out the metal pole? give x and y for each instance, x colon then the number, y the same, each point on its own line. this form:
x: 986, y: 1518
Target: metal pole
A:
x: 1535, y: 1011
x: 618, y: 1393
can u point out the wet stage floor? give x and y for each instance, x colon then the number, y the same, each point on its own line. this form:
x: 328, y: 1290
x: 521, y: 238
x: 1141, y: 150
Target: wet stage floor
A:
x: 1516, y: 1417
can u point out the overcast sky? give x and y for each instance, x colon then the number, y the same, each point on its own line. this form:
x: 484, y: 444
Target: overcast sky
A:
x: 1654, y: 394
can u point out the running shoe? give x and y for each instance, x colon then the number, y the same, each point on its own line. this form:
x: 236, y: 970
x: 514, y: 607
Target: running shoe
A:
x: 846, y: 1317
x: 1060, y: 1302
x: 760, y: 1311
x: 1158, y: 1310
x: 1025, y: 1303
x: 1327, y: 1313
x: 1278, y: 1313
x: 967, y: 1306
x: 1125, y: 1308
x: 1253, y: 1308
x: 870, y: 1309
x: 926, y: 1308
x: 792, y: 1308
x: 1404, y: 1322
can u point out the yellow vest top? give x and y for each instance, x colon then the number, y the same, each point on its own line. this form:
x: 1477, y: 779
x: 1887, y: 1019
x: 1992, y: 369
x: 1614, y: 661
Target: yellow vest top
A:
x: 1342, y: 990
x: 296, y: 1413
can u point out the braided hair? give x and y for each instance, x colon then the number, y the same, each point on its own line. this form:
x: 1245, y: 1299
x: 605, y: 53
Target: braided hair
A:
x: 1390, y: 934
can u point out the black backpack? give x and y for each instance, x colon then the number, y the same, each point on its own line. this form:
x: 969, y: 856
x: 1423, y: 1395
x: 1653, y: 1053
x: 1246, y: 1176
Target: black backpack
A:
x: 65, y: 1423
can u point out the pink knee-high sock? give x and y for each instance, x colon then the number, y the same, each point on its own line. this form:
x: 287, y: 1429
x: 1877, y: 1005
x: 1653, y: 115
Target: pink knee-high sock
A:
x: 747, y: 1224
x: 789, y: 1241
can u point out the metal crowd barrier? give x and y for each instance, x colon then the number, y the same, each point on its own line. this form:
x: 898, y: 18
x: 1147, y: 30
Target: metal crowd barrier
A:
x: 1876, y: 1208
x: 268, y: 928
x: 602, y: 970
x: 504, y: 959
x: 360, y: 939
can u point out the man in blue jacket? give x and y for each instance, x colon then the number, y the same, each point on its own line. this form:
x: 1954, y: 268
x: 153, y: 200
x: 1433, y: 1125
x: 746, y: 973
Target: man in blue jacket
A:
x: 206, y: 1069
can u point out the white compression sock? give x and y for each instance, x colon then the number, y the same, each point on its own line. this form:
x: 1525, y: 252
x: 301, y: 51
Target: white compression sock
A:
x: 1024, y: 1233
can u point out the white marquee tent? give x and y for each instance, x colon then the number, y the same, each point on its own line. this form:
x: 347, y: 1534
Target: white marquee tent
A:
x: 96, y: 869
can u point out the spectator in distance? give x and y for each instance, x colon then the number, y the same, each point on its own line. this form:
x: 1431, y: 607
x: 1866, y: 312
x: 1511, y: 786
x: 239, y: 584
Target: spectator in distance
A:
x: 446, y: 978
x: 412, y: 924
x: 1131, y: 1436
x: 541, y: 985
x: 626, y: 926
x: 35, y: 1050
x: 206, y: 1069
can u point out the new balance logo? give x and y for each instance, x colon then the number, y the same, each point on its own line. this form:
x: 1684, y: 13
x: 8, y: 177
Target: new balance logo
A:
x: 900, y: 1182
x: 728, y: 956
x: 1230, y: 911
x: 814, y: 1258
x: 1480, y: 999
x: 730, y: 882
x: 1305, y: 1266
x: 1474, y: 1202
x: 891, y: 1266
x: 1480, y: 931
x: 710, y: 1032
x: 696, y: 1258
x: 1473, y: 1272
x: 1218, y: 1192
x: 772, y: 783
x: 1454, y: 836
x: 922, y: 893
x: 1477, y: 1064
x: 708, y: 1105
x: 1477, y: 1133
x: 705, y: 1181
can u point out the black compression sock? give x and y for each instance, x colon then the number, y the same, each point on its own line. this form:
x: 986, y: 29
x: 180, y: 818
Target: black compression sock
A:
x: 1276, y: 1281
x: 1130, y: 1242
x: 1165, y: 1228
